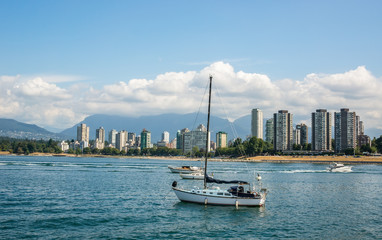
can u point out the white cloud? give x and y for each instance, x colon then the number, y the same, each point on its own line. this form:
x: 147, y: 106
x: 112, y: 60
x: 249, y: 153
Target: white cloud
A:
x: 39, y: 89
x: 36, y: 100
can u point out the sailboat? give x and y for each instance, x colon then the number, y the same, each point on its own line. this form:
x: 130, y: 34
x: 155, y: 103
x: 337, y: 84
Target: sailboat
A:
x: 240, y: 194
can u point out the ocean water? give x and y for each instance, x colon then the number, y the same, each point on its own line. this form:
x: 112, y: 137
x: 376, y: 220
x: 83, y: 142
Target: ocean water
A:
x: 111, y: 198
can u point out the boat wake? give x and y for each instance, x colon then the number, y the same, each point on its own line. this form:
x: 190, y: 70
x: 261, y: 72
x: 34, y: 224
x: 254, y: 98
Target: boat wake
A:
x: 293, y: 171
x: 303, y: 171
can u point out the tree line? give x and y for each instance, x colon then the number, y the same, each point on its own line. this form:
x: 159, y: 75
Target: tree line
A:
x: 25, y: 146
x: 250, y: 147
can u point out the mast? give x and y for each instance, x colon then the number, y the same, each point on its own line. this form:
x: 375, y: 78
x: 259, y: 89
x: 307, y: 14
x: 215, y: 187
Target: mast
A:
x: 208, y: 130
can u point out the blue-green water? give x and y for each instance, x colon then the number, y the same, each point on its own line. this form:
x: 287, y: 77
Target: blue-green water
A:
x: 102, y: 198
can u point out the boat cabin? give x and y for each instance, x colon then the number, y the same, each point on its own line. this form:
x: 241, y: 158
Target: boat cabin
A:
x: 240, y: 192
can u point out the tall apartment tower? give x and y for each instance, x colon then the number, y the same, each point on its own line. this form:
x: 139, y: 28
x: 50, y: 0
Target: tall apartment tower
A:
x: 257, y: 123
x: 100, y: 138
x: 221, y: 140
x: 83, y: 133
x: 166, y: 137
x: 269, y: 132
x: 297, y: 135
x: 100, y: 134
x: 112, y: 137
x: 145, y: 139
x: 321, y: 130
x: 361, y: 128
x: 283, y: 130
x: 304, y: 137
x: 345, y: 130
x: 120, y: 140
x: 180, y: 138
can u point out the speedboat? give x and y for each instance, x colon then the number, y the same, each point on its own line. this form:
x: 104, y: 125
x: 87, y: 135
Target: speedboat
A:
x: 339, y: 167
x: 184, y: 169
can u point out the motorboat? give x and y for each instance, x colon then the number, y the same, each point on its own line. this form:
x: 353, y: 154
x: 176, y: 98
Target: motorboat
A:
x: 240, y: 194
x: 339, y: 167
x: 185, y: 169
x: 193, y: 176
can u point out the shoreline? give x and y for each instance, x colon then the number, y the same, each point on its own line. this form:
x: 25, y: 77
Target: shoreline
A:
x: 271, y: 159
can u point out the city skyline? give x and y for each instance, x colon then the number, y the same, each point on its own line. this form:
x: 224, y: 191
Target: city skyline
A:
x: 348, y: 131
x: 113, y: 59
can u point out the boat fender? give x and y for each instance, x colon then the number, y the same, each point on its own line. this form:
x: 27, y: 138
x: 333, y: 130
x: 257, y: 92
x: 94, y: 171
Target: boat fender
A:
x: 174, y: 183
x: 205, y: 201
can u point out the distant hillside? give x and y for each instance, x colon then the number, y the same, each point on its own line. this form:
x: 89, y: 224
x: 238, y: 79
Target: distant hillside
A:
x: 14, y: 129
x: 157, y: 125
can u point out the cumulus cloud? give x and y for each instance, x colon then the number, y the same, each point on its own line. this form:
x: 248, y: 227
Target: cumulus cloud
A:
x: 33, y: 100
x: 40, y: 101
x: 38, y: 89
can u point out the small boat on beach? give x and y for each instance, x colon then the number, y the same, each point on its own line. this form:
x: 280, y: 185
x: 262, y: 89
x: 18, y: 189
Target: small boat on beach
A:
x: 339, y: 167
x: 185, y: 169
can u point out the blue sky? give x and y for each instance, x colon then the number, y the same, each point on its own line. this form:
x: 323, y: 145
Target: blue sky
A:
x: 97, y: 45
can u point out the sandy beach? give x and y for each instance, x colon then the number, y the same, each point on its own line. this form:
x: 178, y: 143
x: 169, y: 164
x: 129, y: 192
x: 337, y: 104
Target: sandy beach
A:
x: 274, y: 159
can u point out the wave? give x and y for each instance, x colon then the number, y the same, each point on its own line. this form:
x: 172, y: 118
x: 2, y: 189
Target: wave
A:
x: 76, y: 165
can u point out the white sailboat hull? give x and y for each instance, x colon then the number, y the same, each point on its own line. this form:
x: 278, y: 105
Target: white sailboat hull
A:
x: 185, y: 169
x: 210, y: 197
x: 192, y: 176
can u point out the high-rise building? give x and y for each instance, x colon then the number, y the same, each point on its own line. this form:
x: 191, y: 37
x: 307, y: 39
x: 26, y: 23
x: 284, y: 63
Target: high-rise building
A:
x: 196, y: 138
x: 361, y: 128
x: 112, y: 137
x: 166, y: 137
x: 269, y: 132
x: 257, y: 123
x: 100, y: 138
x: 145, y: 139
x: 120, y: 140
x: 165, y: 141
x: 345, y: 130
x: 297, y: 135
x: 357, y: 126
x: 221, y: 140
x: 304, y: 138
x: 83, y: 133
x: 283, y: 130
x: 180, y: 138
x: 131, y: 139
x: 138, y: 141
x: 321, y: 130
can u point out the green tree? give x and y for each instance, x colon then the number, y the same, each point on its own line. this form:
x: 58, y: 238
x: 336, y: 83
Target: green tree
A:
x: 194, y: 151
x: 378, y: 144
x: 87, y: 150
x: 366, y: 148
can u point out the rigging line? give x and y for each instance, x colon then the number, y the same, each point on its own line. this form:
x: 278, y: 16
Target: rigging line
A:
x: 232, y: 126
x: 241, y: 149
x: 200, y: 106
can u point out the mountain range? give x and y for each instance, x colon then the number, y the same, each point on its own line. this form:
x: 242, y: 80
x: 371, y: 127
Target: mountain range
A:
x: 14, y: 129
x: 160, y: 123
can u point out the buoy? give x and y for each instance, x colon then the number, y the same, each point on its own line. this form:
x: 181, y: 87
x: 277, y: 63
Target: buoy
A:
x: 237, y: 204
x: 205, y: 201
x: 258, y: 177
